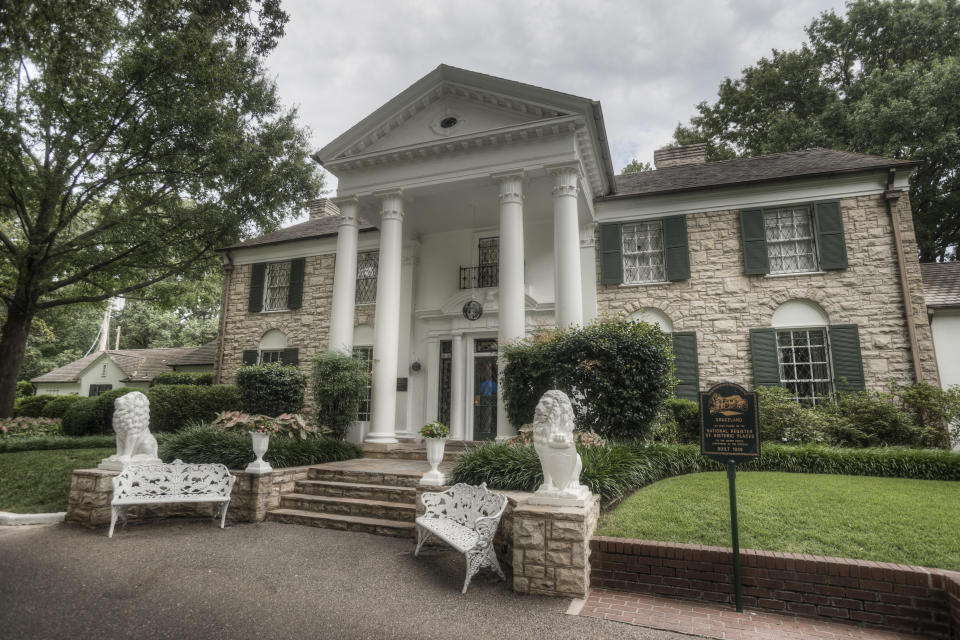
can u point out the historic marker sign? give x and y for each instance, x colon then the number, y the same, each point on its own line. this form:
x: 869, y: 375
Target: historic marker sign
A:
x: 729, y: 427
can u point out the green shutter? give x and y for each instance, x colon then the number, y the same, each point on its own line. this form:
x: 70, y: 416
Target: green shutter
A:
x: 833, y: 249
x: 685, y: 360
x: 847, y: 361
x: 611, y: 258
x: 763, y: 352
x: 755, y: 260
x: 290, y: 356
x: 295, y: 292
x: 675, y: 248
x: 257, y: 275
x: 250, y: 356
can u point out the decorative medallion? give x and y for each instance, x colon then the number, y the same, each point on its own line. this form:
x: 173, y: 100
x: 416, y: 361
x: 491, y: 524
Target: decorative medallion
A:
x: 472, y: 310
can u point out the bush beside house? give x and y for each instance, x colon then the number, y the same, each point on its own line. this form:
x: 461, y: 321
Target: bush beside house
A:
x: 339, y: 387
x: 174, y: 407
x: 58, y: 406
x: 182, y: 377
x: 271, y: 389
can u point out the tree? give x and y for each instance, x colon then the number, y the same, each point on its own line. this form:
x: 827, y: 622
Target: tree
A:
x: 135, y: 138
x: 636, y: 166
x: 883, y: 79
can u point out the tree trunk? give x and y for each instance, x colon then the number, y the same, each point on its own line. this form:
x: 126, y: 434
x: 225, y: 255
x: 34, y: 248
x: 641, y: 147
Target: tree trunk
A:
x: 13, y: 346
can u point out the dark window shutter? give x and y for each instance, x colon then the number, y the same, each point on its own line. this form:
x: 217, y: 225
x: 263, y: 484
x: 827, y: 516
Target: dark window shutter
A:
x: 755, y: 260
x: 257, y: 275
x: 250, y: 356
x: 847, y: 361
x: 833, y: 248
x: 685, y: 360
x: 611, y: 259
x: 295, y: 293
x: 763, y: 352
x: 290, y: 356
x: 675, y: 247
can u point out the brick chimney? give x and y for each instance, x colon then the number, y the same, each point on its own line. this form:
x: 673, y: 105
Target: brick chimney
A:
x: 322, y: 208
x: 680, y: 156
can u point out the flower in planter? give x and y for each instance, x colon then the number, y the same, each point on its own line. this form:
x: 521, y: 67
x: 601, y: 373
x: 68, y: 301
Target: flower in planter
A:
x: 435, y: 430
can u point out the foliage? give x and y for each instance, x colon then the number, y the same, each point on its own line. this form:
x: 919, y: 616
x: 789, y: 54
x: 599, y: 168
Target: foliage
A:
x: 207, y: 444
x: 616, y: 372
x: 39, y: 481
x: 82, y: 418
x: 173, y: 407
x: 636, y: 166
x: 182, y: 377
x: 134, y: 139
x: 28, y: 427
x: 435, y: 430
x: 50, y: 442
x: 271, y: 389
x: 59, y: 336
x: 24, y: 389
x: 339, y: 387
x: 686, y: 414
x: 57, y: 407
x: 883, y: 79
x: 933, y: 409
x: 290, y: 425
x: 32, y: 406
x: 106, y: 406
x: 581, y: 438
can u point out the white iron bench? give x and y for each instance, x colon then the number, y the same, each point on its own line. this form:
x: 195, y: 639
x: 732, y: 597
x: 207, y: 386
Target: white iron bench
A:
x: 159, y: 483
x: 466, y: 518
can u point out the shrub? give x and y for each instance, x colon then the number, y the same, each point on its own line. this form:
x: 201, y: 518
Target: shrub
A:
x: 878, y: 418
x: 182, y: 377
x: 617, y: 373
x: 24, y: 389
x: 933, y: 409
x: 173, y: 407
x: 31, y: 406
x: 291, y: 425
x: 105, y: 407
x: 27, y: 427
x: 686, y: 415
x: 339, y: 387
x: 271, y: 389
x: 58, y: 406
x: 82, y: 418
x: 51, y: 442
x: 208, y: 444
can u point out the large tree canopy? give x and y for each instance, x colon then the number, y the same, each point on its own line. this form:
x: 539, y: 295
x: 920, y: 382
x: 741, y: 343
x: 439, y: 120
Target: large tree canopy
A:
x: 883, y: 79
x: 135, y: 137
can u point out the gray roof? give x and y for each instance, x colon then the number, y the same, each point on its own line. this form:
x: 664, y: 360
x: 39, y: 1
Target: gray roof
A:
x: 777, y: 166
x: 207, y: 354
x: 140, y: 365
x: 315, y: 228
x: 941, y: 283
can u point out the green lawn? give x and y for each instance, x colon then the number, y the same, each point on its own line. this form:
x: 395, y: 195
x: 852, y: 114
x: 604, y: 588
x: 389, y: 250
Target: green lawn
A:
x: 884, y: 519
x: 39, y: 481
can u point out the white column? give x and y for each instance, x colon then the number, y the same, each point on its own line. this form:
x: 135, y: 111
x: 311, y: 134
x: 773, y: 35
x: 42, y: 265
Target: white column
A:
x: 588, y: 273
x: 566, y: 248
x: 458, y: 388
x: 511, y: 300
x: 386, y: 329
x: 409, y: 417
x: 344, y: 279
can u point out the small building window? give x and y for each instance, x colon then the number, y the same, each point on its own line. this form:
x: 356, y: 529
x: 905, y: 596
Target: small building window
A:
x: 366, y: 355
x: 791, y: 243
x: 97, y: 389
x: 276, y: 286
x: 804, y: 360
x: 266, y: 357
x: 643, y: 259
x: 367, y: 268
x: 103, y: 371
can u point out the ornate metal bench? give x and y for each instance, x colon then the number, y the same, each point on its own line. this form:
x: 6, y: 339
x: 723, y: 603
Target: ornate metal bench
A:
x: 158, y: 483
x: 466, y: 518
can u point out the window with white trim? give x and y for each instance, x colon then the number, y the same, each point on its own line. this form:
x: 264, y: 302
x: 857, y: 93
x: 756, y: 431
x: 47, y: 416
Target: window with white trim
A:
x: 276, y: 286
x: 804, y: 360
x: 643, y: 259
x: 368, y: 264
x: 266, y: 357
x: 791, y: 240
x: 366, y: 355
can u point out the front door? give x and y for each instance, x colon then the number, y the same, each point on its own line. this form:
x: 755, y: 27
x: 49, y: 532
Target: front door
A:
x: 484, y: 389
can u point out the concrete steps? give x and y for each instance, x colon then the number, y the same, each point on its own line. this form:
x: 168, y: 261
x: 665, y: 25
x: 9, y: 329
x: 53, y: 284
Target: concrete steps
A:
x: 375, y: 526
x: 363, y: 507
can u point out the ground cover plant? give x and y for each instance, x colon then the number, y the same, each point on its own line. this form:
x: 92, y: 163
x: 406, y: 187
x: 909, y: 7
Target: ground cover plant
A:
x: 897, y: 520
x: 39, y: 481
x: 29, y: 427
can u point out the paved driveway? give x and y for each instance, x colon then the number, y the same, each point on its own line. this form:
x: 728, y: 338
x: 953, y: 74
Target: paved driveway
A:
x: 187, y: 579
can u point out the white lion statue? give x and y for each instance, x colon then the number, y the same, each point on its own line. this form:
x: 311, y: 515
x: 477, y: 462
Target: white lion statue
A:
x: 131, y: 421
x: 555, y: 445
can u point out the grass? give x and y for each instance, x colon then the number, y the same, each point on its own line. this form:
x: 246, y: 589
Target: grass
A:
x: 898, y: 520
x: 39, y: 481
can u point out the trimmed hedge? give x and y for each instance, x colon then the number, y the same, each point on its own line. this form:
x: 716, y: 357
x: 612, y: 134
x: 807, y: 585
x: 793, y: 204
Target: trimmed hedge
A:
x: 271, y: 389
x: 206, y: 444
x: 82, y: 418
x: 24, y: 389
x: 31, y: 406
x: 57, y: 407
x: 182, y: 377
x: 339, y: 387
x: 47, y: 443
x: 174, y: 407
x: 614, y: 470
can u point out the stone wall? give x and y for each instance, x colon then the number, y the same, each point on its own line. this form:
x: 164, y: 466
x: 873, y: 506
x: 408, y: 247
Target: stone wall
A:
x: 721, y: 304
x: 91, y: 491
x: 892, y: 596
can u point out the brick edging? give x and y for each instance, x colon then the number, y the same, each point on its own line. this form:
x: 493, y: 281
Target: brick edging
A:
x: 892, y: 596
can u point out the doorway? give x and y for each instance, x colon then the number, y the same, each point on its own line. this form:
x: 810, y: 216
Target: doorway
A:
x: 484, y: 389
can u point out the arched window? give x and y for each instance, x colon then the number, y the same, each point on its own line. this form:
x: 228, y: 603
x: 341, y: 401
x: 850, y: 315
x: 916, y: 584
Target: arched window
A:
x: 272, y: 345
x: 803, y: 350
x: 651, y: 315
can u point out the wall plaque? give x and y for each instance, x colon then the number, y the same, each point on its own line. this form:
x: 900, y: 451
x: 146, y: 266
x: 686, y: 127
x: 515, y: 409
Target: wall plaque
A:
x: 729, y: 424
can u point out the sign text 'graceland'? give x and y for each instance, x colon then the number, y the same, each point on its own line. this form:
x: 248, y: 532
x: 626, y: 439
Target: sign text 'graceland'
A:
x: 729, y: 428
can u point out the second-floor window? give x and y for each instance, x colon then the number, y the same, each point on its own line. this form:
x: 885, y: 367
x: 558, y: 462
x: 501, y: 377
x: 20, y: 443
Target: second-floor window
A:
x: 276, y: 286
x: 791, y: 243
x: 367, y: 268
x: 643, y: 259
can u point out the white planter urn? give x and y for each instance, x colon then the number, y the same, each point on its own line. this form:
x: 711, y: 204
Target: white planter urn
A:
x: 261, y: 441
x: 434, y: 457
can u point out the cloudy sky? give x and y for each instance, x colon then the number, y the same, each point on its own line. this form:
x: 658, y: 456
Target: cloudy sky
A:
x: 648, y: 63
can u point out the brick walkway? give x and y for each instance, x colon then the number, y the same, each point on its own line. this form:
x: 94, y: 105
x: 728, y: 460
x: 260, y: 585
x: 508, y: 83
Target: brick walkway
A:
x: 716, y: 621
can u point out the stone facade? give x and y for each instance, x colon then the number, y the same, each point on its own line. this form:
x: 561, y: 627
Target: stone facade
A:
x: 721, y: 304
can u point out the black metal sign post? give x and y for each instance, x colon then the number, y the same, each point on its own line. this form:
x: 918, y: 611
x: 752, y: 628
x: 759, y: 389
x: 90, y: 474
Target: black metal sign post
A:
x: 730, y: 431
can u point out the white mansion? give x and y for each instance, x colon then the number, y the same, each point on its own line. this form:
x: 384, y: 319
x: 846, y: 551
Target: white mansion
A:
x: 472, y: 210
